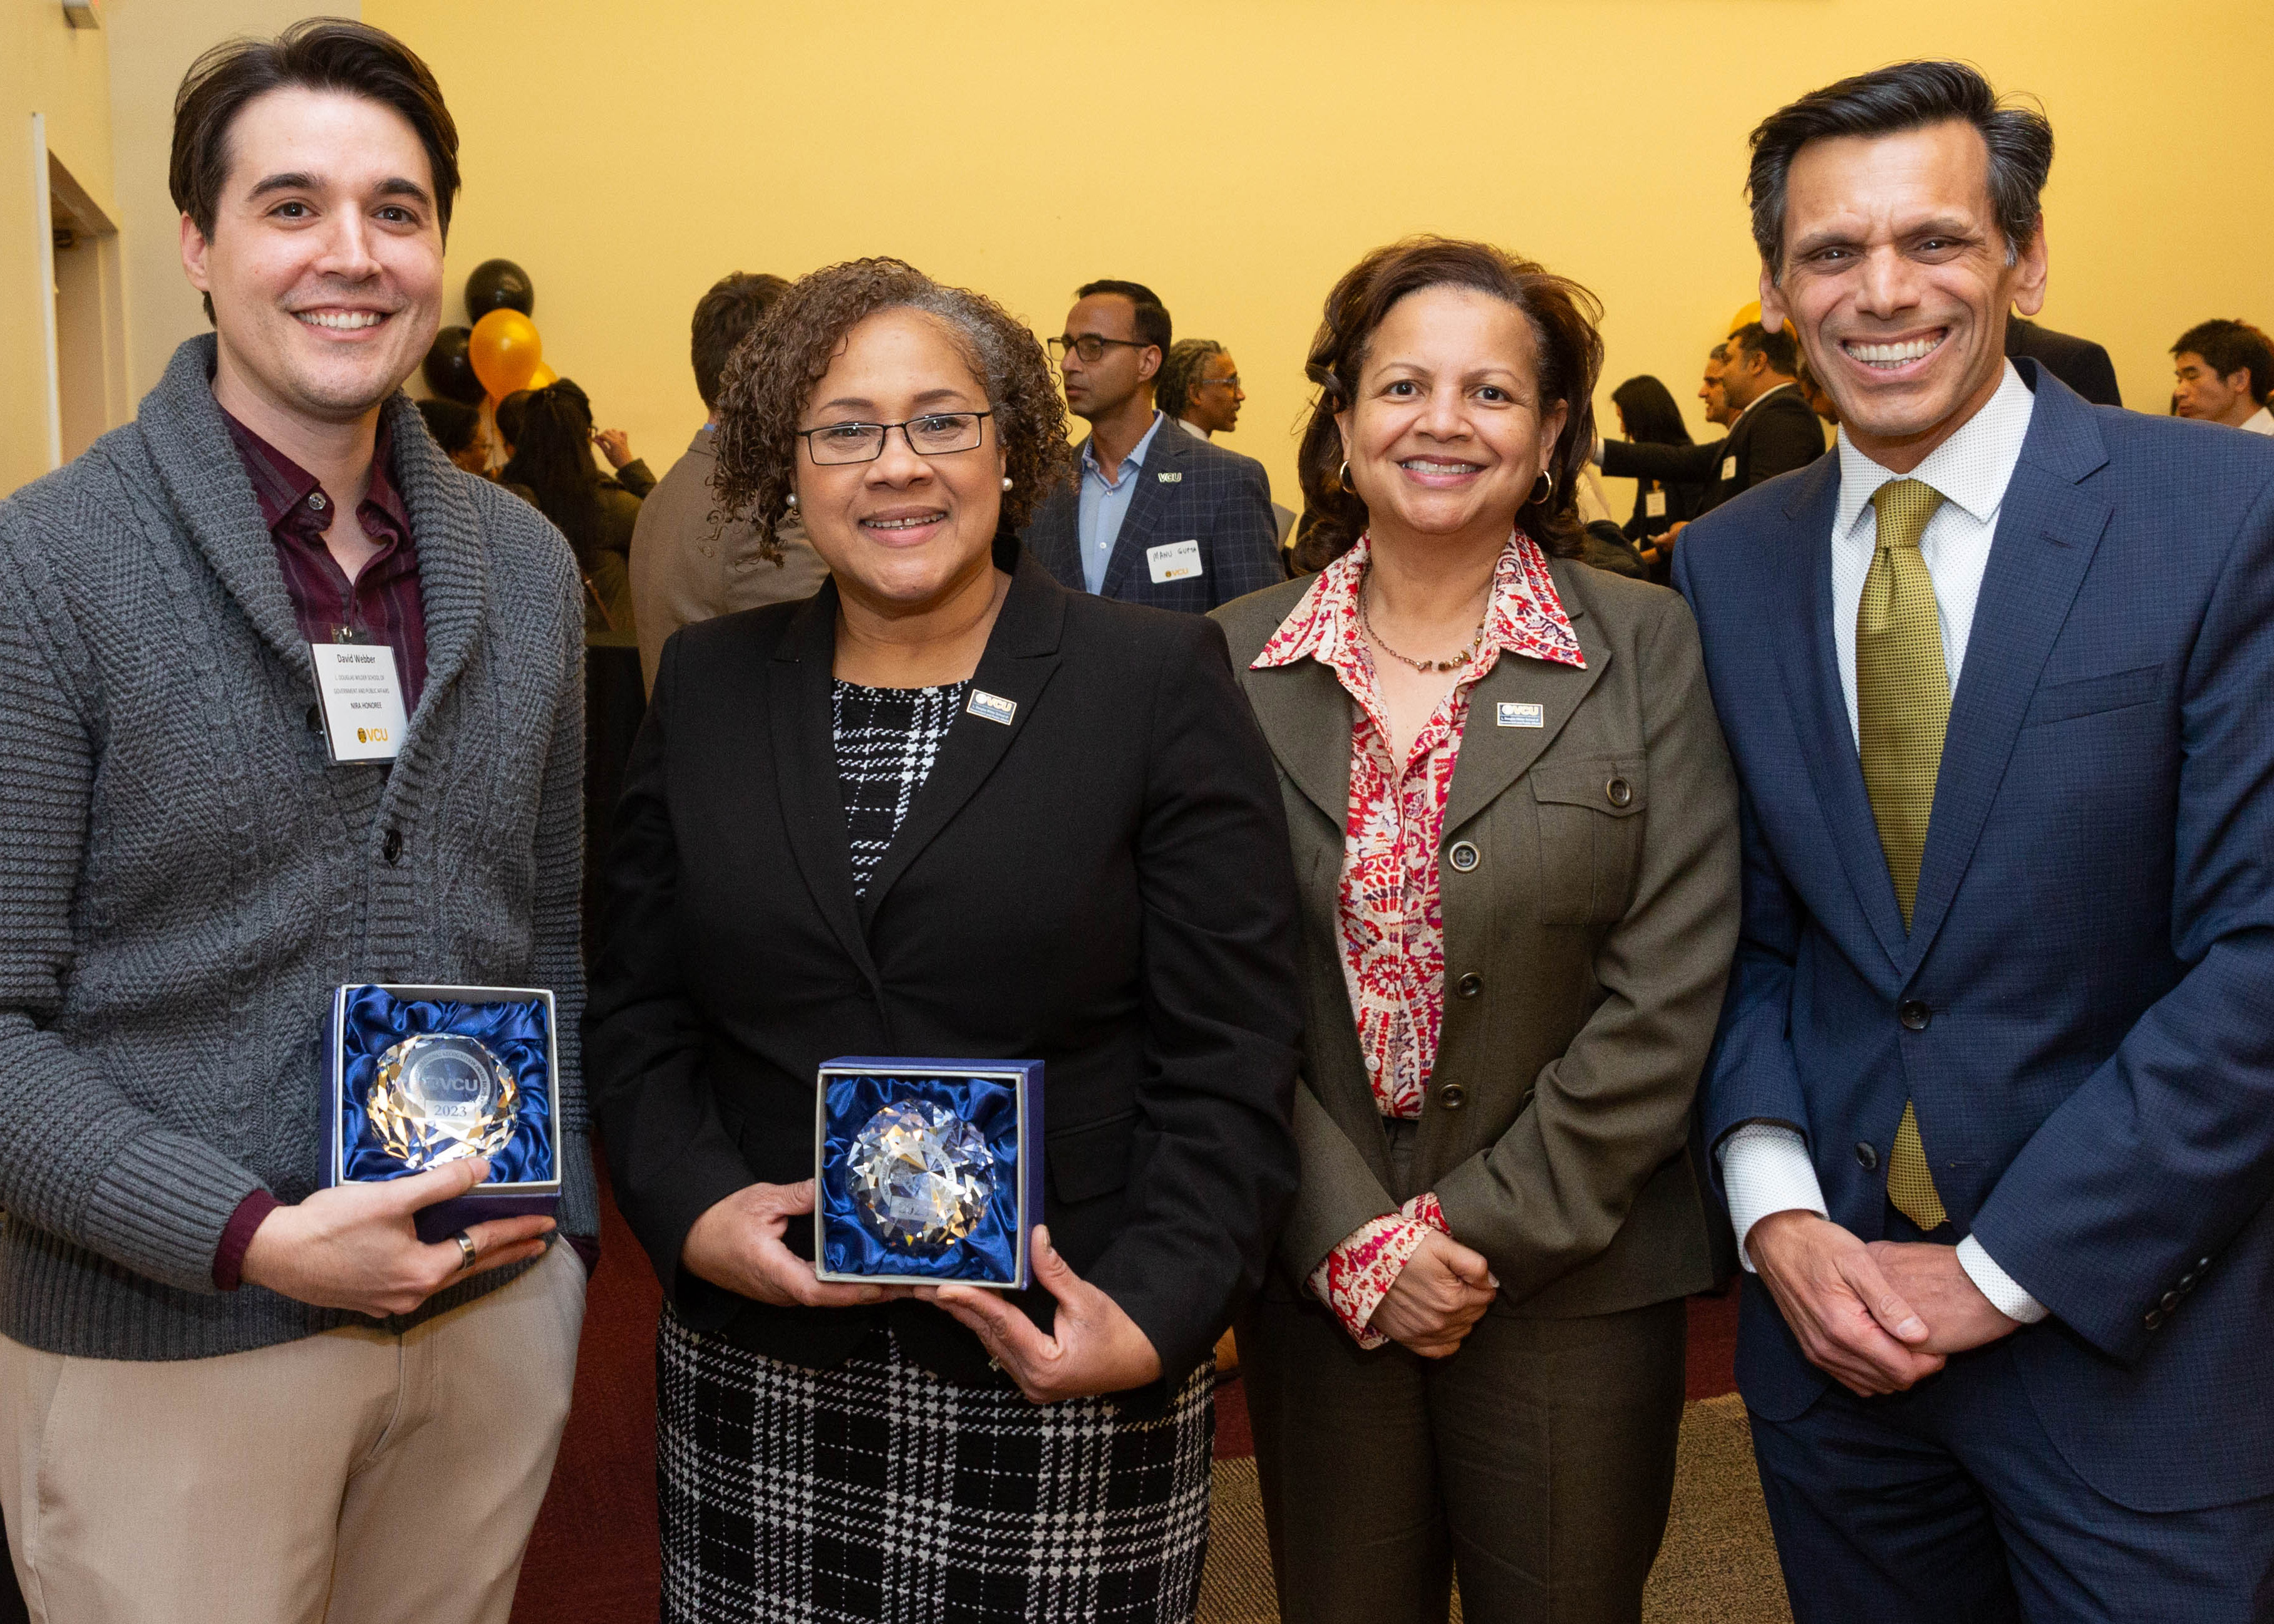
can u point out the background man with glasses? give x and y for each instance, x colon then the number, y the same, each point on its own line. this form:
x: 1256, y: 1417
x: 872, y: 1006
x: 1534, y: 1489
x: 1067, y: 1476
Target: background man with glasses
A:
x: 1167, y: 520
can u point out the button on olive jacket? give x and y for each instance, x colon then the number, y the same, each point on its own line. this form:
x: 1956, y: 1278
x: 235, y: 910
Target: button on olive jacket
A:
x: 1589, y: 880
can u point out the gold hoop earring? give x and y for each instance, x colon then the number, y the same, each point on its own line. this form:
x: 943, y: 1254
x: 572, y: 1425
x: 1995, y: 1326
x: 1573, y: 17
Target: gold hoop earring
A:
x: 1536, y: 496
x: 1342, y: 478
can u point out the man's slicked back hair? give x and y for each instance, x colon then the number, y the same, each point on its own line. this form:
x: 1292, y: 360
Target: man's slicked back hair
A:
x: 1774, y: 342
x: 724, y: 317
x: 1153, y: 325
x: 1908, y: 95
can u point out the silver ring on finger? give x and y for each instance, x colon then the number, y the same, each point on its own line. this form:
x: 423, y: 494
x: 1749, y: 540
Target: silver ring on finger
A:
x: 465, y: 1251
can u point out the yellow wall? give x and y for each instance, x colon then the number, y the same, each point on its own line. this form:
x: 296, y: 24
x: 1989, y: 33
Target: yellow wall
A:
x: 48, y: 67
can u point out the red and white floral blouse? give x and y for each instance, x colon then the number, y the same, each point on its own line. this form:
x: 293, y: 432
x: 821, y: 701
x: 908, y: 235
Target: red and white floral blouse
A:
x: 1393, y: 929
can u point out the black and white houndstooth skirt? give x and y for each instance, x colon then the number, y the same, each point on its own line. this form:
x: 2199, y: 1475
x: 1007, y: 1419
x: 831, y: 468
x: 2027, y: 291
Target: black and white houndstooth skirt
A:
x: 877, y: 1492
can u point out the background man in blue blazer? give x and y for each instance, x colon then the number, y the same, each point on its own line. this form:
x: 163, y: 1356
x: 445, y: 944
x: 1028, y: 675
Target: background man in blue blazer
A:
x: 1154, y: 515
x: 1993, y: 1101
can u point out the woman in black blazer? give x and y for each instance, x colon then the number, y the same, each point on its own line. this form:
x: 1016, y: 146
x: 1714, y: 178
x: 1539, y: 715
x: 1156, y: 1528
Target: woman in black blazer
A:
x: 949, y: 807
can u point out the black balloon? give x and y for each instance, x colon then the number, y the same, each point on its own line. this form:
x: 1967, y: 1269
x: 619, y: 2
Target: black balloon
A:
x: 449, y: 370
x: 499, y: 284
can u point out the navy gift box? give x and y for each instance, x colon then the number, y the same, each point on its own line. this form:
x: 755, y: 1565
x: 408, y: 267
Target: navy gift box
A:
x: 514, y: 1024
x: 927, y: 1172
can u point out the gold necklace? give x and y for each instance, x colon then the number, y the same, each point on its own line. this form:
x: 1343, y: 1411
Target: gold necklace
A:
x: 1366, y: 624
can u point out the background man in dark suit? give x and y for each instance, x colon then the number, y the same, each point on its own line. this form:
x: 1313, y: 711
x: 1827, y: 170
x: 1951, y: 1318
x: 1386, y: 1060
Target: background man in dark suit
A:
x: 1772, y: 431
x: 1153, y: 518
x: 1993, y: 1095
x: 2079, y: 363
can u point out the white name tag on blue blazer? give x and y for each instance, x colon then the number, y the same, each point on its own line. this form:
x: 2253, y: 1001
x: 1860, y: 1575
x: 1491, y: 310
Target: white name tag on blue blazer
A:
x: 1173, y: 560
x: 1520, y: 715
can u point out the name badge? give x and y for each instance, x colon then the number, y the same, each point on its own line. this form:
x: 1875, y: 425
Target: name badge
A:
x: 991, y: 707
x: 360, y: 698
x: 1173, y: 478
x: 1173, y: 560
x: 1520, y: 715
x: 1728, y: 468
x: 1653, y: 505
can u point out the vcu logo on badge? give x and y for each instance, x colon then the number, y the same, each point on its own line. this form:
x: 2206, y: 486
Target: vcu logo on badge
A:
x: 363, y: 735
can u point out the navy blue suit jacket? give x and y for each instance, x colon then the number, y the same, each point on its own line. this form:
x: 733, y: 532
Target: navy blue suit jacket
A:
x: 1188, y: 490
x: 2092, y: 943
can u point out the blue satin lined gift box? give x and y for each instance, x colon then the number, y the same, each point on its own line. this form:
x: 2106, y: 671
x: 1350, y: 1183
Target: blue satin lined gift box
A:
x: 927, y: 1171
x: 417, y: 1077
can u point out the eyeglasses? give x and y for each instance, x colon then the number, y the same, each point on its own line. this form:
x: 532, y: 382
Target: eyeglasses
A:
x: 939, y: 434
x: 1232, y: 382
x: 1090, y: 347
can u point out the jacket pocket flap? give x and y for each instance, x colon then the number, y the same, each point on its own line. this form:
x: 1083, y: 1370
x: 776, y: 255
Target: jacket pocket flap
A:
x: 2062, y: 701
x: 1090, y: 1161
x: 1614, y: 786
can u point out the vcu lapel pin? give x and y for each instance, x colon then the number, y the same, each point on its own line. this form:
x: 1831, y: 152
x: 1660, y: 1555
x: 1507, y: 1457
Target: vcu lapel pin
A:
x: 1521, y: 716
x: 992, y: 707
x: 1173, y: 478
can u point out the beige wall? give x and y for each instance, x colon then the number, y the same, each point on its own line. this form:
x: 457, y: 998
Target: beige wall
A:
x: 48, y: 68
x: 1238, y: 156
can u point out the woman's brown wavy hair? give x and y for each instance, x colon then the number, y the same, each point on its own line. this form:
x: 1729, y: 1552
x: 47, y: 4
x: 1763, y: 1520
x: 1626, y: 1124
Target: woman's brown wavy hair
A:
x: 772, y: 374
x: 1562, y: 315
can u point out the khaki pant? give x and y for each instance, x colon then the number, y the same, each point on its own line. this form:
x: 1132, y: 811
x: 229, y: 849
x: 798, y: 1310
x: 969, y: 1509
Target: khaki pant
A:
x: 352, y: 1478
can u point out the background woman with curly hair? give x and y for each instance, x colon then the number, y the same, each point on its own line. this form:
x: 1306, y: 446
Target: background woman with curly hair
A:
x: 945, y: 807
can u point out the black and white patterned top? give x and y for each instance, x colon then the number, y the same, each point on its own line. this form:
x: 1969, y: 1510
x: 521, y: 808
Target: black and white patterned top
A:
x: 886, y: 741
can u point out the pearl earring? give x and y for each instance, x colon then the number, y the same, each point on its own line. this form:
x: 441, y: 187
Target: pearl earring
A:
x: 790, y: 501
x: 1006, y: 482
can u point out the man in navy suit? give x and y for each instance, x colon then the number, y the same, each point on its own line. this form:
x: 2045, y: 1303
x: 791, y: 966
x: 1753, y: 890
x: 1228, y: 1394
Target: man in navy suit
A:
x: 1992, y: 1101
x: 1154, y: 515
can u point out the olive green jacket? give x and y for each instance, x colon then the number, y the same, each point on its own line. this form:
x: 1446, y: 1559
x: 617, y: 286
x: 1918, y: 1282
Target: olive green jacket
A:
x: 1589, y: 876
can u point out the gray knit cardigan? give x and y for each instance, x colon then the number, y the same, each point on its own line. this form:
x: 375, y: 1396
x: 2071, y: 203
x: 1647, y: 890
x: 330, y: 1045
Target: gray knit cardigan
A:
x: 183, y: 877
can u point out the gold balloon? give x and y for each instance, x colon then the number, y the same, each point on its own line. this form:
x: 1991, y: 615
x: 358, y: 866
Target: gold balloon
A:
x: 505, y: 352
x: 1747, y: 314
x: 542, y: 377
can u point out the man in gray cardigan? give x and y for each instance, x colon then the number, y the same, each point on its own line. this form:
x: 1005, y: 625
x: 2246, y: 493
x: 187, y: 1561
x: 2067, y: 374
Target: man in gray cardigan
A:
x: 225, y: 1392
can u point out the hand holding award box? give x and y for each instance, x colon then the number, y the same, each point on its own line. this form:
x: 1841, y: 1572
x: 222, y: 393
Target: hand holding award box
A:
x: 927, y: 1172
x: 419, y: 1076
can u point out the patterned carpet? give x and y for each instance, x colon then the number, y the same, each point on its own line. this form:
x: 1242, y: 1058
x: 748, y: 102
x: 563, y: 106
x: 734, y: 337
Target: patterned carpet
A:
x: 593, y: 1557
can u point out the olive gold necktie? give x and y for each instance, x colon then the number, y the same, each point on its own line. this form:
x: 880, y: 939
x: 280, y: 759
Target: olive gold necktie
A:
x: 1902, y: 709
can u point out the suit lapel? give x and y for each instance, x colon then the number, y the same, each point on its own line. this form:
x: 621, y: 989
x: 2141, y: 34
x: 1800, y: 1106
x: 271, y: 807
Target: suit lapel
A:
x: 1812, y: 668
x: 1492, y: 756
x: 1307, y: 718
x: 1022, y: 654
x: 1145, y: 504
x: 805, y: 766
x: 2048, y: 531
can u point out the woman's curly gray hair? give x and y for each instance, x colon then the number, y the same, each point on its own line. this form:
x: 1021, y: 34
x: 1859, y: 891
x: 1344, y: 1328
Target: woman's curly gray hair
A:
x: 774, y: 369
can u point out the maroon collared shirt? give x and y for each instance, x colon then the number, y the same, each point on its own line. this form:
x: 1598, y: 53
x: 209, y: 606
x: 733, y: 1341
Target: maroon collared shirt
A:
x: 382, y: 604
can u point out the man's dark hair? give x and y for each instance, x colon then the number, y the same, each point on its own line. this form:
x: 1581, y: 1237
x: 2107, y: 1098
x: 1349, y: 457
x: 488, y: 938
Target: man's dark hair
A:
x: 2231, y: 347
x: 452, y: 424
x: 724, y: 318
x: 1909, y: 96
x: 1152, y: 316
x: 1180, y: 373
x: 320, y: 53
x: 1774, y: 342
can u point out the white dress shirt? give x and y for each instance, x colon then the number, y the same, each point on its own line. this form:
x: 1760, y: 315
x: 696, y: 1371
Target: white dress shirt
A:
x: 1766, y: 1166
x: 2259, y: 422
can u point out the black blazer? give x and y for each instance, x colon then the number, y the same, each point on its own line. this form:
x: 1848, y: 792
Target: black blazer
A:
x: 1104, y: 884
x: 2079, y: 363
x: 1777, y: 434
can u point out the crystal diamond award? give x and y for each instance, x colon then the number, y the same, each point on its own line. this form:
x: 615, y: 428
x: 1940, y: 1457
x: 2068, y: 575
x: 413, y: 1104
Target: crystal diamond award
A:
x: 927, y: 1171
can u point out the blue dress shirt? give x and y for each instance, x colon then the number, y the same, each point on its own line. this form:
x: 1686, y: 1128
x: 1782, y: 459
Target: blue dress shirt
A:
x: 1106, y: 504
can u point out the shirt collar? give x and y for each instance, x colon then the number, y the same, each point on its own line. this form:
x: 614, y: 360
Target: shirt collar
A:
x: 1134, y: 461
x: 1971, y: 468
x: 1525, y: 615
x: 283, y: 487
